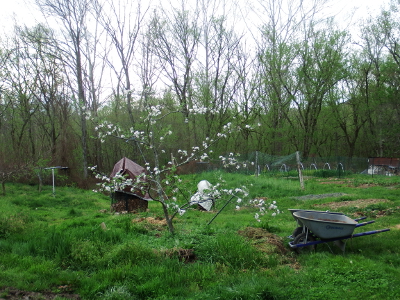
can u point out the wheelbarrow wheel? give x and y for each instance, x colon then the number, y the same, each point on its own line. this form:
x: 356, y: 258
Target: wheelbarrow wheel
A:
x: 304, y: 238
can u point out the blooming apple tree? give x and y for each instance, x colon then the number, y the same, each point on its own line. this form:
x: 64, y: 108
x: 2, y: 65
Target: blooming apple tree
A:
x: 264, y: 207
x: 161, y: 179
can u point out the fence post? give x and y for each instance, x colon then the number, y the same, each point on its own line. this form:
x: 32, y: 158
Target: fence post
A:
x: 256, y: 164
x: 299, y: 170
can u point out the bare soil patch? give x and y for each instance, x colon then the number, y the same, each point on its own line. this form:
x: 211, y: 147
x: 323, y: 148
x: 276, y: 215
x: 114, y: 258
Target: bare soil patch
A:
x: 366, y: 185
x: 360, y: 203
x: 320, y: 196
x: 334, y: 182
x: 15, y: 294
x: 185, y: 255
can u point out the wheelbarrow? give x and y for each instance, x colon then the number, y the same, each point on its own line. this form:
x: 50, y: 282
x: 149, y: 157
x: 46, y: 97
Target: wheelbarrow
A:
x: 299, y: 228
x: 322, y: 227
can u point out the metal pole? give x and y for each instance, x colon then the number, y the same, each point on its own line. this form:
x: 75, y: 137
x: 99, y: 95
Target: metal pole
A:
x: 257, y: 164
x: 54, y: 189
x: 233, y: 196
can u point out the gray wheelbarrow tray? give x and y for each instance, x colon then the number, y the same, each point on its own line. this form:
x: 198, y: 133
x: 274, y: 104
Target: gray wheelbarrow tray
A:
x: 300, y: 225
x: 293, y: 210
x: 326, y: 225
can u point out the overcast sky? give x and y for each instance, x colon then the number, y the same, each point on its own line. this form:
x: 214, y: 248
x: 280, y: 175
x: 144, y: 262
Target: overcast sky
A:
x: 24, y: 11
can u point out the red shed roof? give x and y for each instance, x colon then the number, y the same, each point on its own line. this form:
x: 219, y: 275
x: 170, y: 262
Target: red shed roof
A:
x: 125, y: 166
x: 385, y: 161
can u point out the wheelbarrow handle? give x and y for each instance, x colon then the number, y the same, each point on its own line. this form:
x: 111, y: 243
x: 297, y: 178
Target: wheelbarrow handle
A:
x: 359, y: 219
x: 365, y: 223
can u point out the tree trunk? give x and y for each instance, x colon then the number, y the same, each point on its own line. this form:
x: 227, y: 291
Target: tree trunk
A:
x: 168, y: 219
x: 3, y: 186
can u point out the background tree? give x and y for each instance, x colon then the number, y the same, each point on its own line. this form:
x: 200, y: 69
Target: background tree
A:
x: 73, y: 16
x: 19, y: 80
x: 277, y: 56
x: 216, y: 79
x: 387, y: 25
x: 373, y: 44
x: 47, y: 72
x: 122, y: 21
x: 175, y: 39
x: 321, y: 68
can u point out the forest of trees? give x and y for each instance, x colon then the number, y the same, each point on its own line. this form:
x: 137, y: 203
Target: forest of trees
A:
x: 297, y: 82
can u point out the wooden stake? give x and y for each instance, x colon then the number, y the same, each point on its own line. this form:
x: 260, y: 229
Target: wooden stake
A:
x: 299, y: 169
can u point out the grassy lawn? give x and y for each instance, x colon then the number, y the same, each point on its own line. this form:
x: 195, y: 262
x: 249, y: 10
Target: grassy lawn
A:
x: 70, y: 246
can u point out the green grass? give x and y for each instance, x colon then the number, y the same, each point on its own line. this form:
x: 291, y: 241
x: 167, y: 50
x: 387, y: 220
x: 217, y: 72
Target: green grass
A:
x: 50, y: 242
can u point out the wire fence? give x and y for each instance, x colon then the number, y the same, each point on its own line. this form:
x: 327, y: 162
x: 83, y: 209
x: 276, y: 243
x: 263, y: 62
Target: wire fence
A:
x: 257, y: 163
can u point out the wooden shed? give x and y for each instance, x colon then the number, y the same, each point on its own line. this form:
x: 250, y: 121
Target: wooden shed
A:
x: 127, y: 199
x: 384, y: 165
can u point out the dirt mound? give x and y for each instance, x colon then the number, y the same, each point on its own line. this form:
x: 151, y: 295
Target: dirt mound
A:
x: 185, y: 255
x: 151, y: 220
x: 270, y: 244
x: 264, y: 240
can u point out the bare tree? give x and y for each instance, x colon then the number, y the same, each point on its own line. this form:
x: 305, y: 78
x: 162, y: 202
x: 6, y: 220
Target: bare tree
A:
x: 44, y: 58
x: 4, y: 101
x: 217, y: 79
x: 19, y: 79
x: 277, y: 57
x: 175, y: 39
x: 150, y: 69
x: 96, y: 54
x: 73, y: 15
x: 122, y: 21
